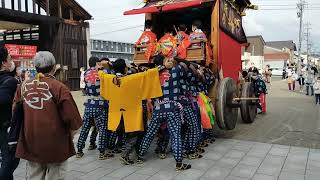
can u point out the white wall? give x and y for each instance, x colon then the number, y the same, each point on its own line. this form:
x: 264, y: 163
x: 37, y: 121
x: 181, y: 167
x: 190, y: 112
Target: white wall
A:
x: 275, y: 64
x: 257, y: 60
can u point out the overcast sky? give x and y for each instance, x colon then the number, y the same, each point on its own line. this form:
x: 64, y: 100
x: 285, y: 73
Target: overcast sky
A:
x: 273, y: 25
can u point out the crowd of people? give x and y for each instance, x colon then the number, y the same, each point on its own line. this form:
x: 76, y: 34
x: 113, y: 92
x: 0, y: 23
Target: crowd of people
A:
x: 171, y: 45
x: 157, y: 99
x: 170, y: 100
x: 308, y: 81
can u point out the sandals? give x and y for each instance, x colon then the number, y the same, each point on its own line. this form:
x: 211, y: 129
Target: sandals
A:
x: 79, y: 154
x: 126, y: 161
x: 105, y: 155
x: 140, y: 160
x: 212, y: 140
x: 182, y: 167
x: 194, y: 156
x: 207, y: 141
x: 116, y: 151
x: 184, y: 155
x: 203, y: 144
x: 200, y: 150
x: 92, y: 147
x: 162, y: 155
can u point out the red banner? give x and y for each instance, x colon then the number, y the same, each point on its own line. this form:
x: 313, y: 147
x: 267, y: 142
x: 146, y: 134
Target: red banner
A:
x: 21, y: 51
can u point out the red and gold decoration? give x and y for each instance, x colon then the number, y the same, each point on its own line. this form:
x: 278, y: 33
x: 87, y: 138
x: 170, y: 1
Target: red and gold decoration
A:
x: 231, y: 21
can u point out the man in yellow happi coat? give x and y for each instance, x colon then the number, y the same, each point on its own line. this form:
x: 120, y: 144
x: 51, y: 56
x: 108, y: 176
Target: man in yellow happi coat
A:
x: 125, y: 95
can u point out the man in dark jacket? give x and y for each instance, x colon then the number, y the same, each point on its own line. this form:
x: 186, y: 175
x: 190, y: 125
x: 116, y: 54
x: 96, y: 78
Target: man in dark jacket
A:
x: 8, y: 85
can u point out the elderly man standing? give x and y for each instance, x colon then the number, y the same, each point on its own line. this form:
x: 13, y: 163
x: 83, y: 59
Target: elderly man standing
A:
x: 51, y: 118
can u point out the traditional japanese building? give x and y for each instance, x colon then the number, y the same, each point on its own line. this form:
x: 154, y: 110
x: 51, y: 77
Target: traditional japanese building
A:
x: 58, y: 26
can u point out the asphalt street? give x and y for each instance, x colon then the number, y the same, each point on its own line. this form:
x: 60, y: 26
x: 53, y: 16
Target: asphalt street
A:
x: 292, y: 118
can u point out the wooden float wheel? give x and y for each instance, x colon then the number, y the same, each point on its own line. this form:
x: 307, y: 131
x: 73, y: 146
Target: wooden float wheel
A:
x: 227, y: 115
x: 248, y: 107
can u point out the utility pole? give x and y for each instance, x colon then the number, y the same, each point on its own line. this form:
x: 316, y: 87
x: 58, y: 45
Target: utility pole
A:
x: 301, y: 5
x: 307, y: 34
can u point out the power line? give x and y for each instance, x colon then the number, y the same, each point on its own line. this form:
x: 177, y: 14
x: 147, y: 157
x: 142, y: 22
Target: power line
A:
x: 116, y: 22
x: 119, y: 30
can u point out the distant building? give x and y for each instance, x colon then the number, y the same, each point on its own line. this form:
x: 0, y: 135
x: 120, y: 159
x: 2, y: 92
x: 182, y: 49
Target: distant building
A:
x: 276, y: 58
x: 285, y: 46
x: 112, y: 50
x: 254, y: 52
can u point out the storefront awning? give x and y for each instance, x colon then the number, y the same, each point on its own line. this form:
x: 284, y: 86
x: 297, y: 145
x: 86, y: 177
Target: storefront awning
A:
x: 166, y: 5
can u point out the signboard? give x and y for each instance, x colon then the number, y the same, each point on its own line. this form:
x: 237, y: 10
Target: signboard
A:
x: 21, y: 51
x: 74, y: 58
x: 231, y: 22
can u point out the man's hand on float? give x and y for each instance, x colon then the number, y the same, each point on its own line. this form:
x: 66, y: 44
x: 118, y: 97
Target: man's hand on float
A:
x: 160, y: 68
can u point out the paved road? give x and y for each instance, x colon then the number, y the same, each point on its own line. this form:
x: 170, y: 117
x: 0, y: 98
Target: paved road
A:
x: 292, y: 119
x: 226, y: 159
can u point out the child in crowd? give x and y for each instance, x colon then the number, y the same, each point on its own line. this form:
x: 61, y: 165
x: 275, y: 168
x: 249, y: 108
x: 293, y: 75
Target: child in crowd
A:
x: 260, y: 90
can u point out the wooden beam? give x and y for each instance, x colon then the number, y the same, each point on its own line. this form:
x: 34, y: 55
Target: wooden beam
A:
x: 34, y: 6
x: 39, y: 8
x: 21, y: 35
x: 59, y: 9
x: 3, y: 3
x: 30, y: 33
x: 19, y: 5
x: 27, y: 18
x: 12, y: 4
x: 71, y: 14
x: 48, y: 7
x: 26, y: 5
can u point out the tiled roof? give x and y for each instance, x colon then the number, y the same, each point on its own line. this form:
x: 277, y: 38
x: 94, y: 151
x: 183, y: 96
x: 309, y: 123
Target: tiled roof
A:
x: 276, y: 56
x: 282, y: 44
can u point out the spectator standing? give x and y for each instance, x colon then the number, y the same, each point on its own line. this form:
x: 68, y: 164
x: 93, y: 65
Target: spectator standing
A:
x: 8, y: 85
x: 291, y: 81
x: 316, y: 88
x: 310, y: 80
x: 284, y: 74
x: 267, y: 74
x: 82, y: 83
x: 252, y: 68
x: 301, y: 81
x: 49, y: 124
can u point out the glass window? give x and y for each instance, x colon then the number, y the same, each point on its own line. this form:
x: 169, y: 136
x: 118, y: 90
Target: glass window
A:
x: 117, y: 47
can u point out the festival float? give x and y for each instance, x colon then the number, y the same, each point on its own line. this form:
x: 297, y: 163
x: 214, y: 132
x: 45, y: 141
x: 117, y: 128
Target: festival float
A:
x: 222, y: 22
